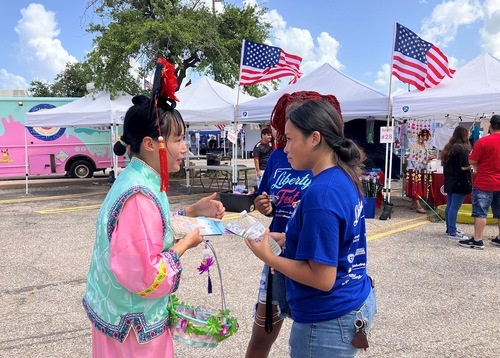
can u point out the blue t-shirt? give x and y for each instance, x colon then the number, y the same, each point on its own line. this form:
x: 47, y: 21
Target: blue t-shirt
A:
x: 288, y: 184
x: 329, y: 227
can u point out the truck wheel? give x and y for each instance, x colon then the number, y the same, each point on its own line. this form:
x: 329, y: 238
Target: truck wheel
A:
x: 81, y: 169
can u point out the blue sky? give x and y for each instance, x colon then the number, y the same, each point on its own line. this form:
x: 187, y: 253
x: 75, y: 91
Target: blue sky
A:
x: 354, y: 36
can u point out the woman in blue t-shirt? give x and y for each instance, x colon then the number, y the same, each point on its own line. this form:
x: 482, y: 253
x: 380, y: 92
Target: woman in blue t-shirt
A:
x: 281, y: 188
x: 328, y: 289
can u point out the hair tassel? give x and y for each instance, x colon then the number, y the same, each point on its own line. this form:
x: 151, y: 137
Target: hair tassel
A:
x: 209, y: 288
x: 163, y: 165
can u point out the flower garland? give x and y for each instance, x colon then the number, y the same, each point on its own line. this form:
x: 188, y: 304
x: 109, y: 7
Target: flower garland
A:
x: 219, y: 325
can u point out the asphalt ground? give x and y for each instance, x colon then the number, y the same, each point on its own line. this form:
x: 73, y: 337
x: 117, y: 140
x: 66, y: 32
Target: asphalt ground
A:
x: 435, y: 299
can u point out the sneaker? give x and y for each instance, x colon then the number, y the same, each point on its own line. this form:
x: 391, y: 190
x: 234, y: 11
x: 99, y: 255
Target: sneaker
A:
x: 457, y: 236
x: 458, y: 232
x: 473, y: 244
x: 495, y: 241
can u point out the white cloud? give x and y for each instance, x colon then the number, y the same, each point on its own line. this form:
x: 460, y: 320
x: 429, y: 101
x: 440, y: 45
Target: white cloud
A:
x: 441, y: 27
x: 490, y: 33
x: 382, y: 81
x: 300, y: 42
x: 40, y: 48
x: 11, y: 81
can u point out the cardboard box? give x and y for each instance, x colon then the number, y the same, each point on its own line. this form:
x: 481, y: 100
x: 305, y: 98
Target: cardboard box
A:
x: 237, y: 202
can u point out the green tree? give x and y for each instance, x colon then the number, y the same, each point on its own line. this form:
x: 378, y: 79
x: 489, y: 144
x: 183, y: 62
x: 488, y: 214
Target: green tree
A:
x: 40, y: 89
x: 71, y: 82
x: 134, y: 33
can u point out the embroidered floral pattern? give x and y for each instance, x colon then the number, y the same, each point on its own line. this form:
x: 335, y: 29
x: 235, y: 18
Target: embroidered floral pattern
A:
x: 135, y: 321
x: 118, y: 206
x: 174, y: 261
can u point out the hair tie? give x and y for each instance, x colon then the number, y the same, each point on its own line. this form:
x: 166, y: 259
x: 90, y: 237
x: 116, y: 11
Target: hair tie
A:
x: 123, y: 143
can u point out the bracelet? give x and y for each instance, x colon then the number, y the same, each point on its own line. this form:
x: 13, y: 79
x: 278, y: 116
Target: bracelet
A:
x: 180, y: 212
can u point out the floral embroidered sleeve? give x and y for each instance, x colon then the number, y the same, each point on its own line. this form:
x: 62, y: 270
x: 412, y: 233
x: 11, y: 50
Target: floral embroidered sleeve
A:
x: 138, y: 258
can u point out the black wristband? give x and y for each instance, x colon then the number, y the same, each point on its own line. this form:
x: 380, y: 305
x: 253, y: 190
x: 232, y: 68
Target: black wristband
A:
x: 272, y: 212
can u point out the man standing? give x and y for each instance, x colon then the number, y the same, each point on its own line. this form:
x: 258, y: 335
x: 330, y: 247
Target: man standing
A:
x: 261, y: 153
x: 485, y: 158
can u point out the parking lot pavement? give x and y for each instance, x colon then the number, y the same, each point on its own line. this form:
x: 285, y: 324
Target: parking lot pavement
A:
x: 435, y: 299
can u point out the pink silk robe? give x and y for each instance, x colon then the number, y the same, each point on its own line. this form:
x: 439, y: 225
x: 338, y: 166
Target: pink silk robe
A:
x: 135, y: 254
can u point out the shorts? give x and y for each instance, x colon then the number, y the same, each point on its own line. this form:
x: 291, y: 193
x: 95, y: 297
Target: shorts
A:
x: 279, y: 292
x: 481, y: 202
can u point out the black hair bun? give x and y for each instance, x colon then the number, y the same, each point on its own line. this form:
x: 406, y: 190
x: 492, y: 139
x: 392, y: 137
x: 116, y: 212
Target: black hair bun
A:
x: 140, y: 99
x: 119, y: 149
x: 166, y: 103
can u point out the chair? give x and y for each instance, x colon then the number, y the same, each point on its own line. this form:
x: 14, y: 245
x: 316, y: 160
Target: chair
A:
x: 219, y: 176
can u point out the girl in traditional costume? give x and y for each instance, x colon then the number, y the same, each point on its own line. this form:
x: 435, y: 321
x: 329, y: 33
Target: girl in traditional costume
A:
x: 135, y: 264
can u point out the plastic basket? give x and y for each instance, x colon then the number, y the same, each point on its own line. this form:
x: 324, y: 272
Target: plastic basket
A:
x: 199, y: 326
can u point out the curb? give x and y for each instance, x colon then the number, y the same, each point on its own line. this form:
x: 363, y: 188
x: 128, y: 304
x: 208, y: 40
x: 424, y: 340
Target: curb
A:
x: 40, y: 183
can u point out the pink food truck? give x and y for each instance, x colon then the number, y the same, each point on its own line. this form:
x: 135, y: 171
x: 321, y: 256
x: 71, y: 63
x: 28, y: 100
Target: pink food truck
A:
x: 75, y: 151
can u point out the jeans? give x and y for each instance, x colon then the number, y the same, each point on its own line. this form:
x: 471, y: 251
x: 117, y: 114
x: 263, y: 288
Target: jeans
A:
x: 453, y: 203
x: 330, y: 338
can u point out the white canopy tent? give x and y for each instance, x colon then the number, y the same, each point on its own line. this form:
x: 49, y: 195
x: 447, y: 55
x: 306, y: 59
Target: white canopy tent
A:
x: 97, y: 109
x: 473, y: 91
x: 357, y: 100
x: 207, y: 103
x: 92, y: 110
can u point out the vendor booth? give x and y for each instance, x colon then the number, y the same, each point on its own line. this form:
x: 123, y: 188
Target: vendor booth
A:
x: 473, y: 91
x: 429, y: 185
x: 469, y: 98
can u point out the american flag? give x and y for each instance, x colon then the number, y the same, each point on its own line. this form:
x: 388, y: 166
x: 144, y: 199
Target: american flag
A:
x: 220, y: 126
x: 260, y: 63
x: 418, y: 62
x: 147, y: 84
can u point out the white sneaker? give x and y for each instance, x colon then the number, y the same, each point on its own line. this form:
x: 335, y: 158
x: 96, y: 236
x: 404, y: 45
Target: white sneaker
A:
x: 457, y: 236
x: 458, y: 232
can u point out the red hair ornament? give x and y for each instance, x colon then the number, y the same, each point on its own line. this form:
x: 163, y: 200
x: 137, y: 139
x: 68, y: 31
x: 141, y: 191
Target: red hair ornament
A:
x: 164, y: 85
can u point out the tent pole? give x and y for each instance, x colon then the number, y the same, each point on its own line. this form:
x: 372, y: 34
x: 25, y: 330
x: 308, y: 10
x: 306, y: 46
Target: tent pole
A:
x: 390, y: 162
x: 26, y: 157
x: 235, y: 144
x: 112, y: 133
x: 187, y: 158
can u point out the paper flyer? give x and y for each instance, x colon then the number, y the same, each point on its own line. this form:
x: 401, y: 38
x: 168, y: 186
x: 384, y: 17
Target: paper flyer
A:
x: 182, y: 225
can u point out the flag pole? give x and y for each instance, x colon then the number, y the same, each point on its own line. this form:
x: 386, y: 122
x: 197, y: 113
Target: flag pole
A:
x: 236, y: 109
x: 387, y: 175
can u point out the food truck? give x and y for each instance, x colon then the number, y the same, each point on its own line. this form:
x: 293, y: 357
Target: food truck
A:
x: 75, y: 151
